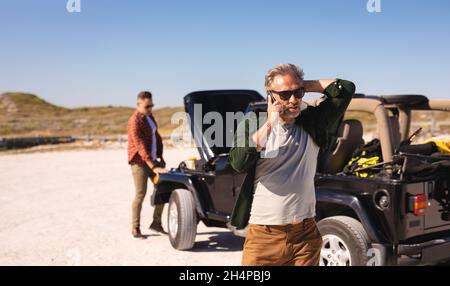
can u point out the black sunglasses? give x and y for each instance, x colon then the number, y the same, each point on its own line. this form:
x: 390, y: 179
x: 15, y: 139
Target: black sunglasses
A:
x: 286, y: 94
x: 149, y: 106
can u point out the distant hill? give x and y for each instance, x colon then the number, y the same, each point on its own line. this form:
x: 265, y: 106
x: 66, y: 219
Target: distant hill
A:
x: 23, y: 114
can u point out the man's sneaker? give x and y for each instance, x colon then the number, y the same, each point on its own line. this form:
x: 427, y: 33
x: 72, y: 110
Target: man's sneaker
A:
x: 157, y: 227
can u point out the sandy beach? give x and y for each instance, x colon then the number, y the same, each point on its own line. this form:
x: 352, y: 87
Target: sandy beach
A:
x: 73, y: 208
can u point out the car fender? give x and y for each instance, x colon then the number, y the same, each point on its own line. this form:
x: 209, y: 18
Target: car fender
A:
x: 168, y: 182
x: 354, y: 203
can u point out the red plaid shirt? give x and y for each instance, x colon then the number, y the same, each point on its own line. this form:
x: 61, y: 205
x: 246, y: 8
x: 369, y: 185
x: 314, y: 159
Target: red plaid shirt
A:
x: 140, y: 139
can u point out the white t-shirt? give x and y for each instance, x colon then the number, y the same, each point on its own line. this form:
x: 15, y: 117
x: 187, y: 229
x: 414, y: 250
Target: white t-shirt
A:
x: 153, y: 128
x: 284, y: 183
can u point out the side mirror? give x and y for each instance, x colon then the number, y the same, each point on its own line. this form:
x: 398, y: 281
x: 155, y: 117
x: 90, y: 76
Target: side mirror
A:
x: 209, y: 166
x: 219, y: 162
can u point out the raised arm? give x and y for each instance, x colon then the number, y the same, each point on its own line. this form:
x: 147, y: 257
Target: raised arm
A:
x: 318, y: 120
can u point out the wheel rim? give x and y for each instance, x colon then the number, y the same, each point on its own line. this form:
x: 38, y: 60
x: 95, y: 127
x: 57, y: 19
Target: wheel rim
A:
x: 173, y: 220
x: 334, y: 252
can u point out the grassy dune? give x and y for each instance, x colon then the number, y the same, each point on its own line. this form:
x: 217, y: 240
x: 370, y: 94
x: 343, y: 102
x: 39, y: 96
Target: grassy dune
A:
x: 23, y: 114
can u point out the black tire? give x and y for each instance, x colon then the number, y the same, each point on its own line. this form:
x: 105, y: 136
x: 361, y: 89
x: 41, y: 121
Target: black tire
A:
x: 349, y: 231
x: 182, y: 237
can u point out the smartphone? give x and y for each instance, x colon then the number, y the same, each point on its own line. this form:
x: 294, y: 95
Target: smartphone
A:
x: 274, y: 101
x: 273, y: 98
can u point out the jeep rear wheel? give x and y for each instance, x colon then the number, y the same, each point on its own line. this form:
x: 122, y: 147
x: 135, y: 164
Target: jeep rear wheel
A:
x: 345, y: 242
x: 182, y: 219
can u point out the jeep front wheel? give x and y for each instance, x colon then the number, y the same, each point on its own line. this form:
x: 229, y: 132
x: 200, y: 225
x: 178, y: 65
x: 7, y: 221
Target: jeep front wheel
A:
x: 182, y: 219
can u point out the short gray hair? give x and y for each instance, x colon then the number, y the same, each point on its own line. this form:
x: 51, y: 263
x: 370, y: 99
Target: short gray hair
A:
x: 282, y: 69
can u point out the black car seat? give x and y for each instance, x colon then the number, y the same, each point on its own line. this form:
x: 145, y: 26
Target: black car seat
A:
x: 350, y: 136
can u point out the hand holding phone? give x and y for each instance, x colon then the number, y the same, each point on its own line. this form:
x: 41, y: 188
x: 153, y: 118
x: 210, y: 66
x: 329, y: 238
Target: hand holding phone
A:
x: 274, y: 105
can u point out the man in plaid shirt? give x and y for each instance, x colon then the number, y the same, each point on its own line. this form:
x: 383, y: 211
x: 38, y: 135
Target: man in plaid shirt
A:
x: 145, y: 150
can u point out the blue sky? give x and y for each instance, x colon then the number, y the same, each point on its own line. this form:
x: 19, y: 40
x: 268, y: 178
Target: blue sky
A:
x: 113, y: 49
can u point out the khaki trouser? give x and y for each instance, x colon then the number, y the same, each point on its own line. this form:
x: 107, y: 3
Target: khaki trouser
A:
x: 297, y: 244
x: 141, y: 176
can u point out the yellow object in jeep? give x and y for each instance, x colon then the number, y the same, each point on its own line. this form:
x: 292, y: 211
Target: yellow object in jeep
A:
x: 364, y: 156
x: 442, y: 143
x: 362, y: 162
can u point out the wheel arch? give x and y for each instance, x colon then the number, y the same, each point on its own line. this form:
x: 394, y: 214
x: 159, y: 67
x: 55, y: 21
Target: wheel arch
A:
x: 167, y: 183
x: 337, y: 203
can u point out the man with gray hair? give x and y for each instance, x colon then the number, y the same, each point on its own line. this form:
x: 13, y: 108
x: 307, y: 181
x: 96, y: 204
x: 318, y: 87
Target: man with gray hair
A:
x: 277, y: 199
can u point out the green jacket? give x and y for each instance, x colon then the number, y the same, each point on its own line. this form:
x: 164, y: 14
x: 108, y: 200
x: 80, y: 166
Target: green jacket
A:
x: 321, y: 122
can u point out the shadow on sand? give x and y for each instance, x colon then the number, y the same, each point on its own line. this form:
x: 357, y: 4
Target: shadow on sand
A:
x: 218, y: 242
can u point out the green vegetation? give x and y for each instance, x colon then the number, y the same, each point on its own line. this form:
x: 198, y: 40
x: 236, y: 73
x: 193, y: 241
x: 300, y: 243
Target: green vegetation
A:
x: 23, y: 115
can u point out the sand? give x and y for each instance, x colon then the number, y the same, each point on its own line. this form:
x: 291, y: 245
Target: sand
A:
x: 74, y: 208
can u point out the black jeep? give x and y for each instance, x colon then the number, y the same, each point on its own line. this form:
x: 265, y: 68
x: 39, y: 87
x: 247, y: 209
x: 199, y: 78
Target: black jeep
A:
x: 370, y: 220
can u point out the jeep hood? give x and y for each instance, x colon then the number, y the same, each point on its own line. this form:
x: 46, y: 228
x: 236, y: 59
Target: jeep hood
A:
x: 208, y: 111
